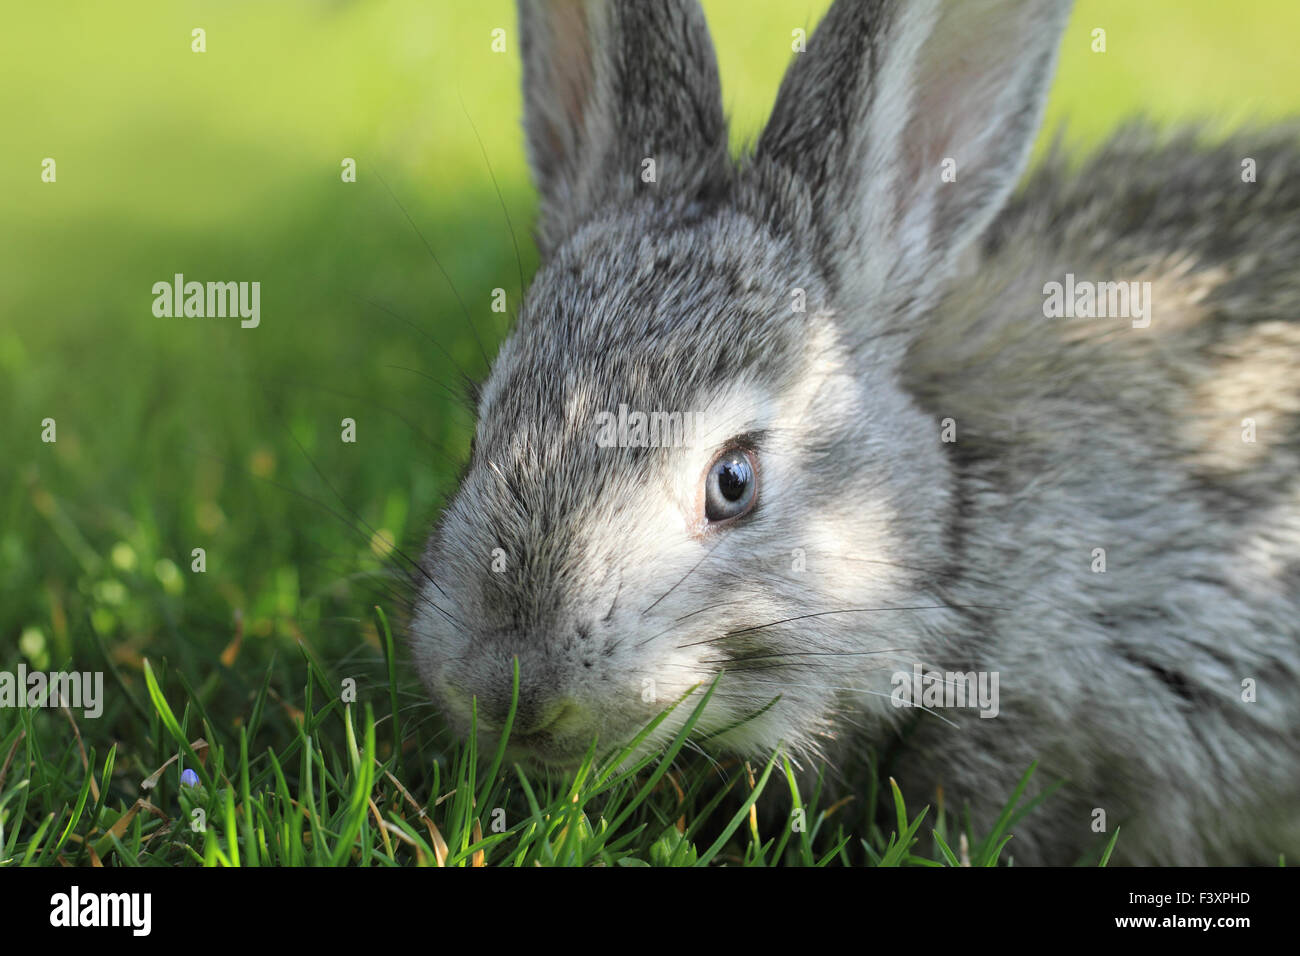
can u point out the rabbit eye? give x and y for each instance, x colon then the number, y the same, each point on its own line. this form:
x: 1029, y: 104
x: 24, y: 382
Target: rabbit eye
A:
x: 730, y: 487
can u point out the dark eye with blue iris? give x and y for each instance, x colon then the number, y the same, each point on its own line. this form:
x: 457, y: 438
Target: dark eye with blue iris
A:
x: 729, y: 489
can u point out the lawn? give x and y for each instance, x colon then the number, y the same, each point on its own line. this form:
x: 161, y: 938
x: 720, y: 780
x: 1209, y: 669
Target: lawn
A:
x: 275, y: 673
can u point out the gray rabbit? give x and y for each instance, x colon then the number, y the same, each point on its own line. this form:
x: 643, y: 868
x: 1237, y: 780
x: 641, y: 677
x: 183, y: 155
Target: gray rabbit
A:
x: 943, y: 441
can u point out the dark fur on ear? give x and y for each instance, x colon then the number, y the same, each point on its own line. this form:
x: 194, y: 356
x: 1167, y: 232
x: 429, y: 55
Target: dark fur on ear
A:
x: 608, y: 84
x: 889, y: 91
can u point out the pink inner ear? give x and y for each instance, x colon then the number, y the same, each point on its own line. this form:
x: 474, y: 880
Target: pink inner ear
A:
x: 960, y: 89
x: 573, y: 72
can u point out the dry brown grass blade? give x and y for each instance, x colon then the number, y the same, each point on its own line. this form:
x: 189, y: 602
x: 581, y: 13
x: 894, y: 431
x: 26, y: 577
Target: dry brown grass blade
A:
x: 420, y: 858
x: 383, y: 831
x: 85, y: 760
x: 295, y: 714
x: 200, y: 747
x: 672, y: 777
x: 231, y: 651
x: 124, y: 821
x: 440, y: 850
x: 4, y: 771
x: 753, y: 807
x: 837, y: 804
x: 479, y: 858
x: 438, y: 843
x: 119, y: 828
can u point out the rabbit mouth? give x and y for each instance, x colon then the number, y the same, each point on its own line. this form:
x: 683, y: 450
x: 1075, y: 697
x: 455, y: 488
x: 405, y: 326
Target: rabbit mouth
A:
x: 543, y: 743
x: 544, y: 751
x: 552, y: 743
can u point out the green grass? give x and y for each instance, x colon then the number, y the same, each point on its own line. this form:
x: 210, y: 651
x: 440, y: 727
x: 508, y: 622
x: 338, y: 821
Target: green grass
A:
x: 336, y: 788
x: 175, y: 435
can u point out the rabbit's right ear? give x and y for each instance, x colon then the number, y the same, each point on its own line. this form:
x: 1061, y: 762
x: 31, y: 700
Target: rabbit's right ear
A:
x: 608, y: 86
x: 909, y: 123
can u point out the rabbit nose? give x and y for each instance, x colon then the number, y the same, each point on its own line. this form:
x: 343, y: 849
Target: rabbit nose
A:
x: 539, y: 709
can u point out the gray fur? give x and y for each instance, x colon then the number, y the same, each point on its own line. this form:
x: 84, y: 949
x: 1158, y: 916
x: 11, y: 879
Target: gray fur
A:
x: 924, y: 302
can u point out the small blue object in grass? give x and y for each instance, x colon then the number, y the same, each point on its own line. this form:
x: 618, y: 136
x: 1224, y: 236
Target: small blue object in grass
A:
x: 189, y: 779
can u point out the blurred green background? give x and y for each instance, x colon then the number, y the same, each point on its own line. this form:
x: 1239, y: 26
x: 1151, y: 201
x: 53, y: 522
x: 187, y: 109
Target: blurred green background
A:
x: 175, y: 434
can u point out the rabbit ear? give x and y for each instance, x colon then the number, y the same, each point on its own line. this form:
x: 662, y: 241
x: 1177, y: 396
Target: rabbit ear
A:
x: 888, y: 96
x: 608, y: 85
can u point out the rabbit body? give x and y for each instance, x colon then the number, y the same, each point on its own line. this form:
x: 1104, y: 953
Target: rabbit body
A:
x: 1164, y: 687
x: 1103, y: 512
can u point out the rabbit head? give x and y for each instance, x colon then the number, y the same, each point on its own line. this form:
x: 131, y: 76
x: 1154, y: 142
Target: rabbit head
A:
x: 770, y: 527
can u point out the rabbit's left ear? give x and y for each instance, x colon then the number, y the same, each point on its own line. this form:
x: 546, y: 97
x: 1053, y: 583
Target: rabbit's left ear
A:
x: 620, y: 96
x: 910, y: 122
